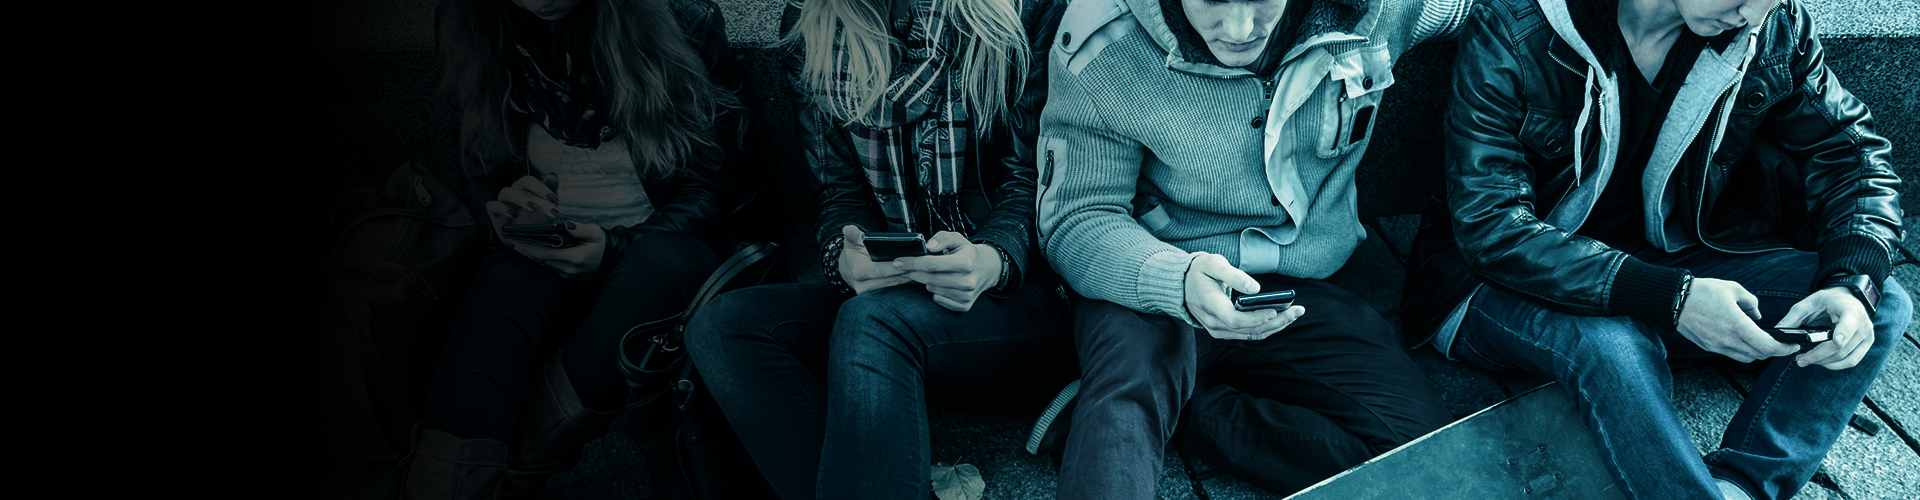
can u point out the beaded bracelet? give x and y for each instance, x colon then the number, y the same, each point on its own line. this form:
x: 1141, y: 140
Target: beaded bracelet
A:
x: 1006, y: 269
x: 830, y: 266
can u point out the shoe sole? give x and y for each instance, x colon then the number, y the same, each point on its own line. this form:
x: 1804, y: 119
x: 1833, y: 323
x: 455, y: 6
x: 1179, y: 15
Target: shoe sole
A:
x: 1046, y: 417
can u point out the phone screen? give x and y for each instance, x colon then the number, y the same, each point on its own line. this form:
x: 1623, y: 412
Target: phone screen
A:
x: 883, y: 247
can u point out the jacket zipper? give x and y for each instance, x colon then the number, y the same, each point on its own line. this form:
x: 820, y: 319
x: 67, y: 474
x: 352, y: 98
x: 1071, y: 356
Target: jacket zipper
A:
x: 1266, y: 103
x: 1714, y: 122
x: 1339, y: 116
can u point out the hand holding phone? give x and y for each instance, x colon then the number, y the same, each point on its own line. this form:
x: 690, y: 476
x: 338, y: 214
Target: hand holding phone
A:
x: 1269, y: 300
x: 884, y: 247
x: 552, y: 235
x: 1799, y: 336
x: 858, y: 268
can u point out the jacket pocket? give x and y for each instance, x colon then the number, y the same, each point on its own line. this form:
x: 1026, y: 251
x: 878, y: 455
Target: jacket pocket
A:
x: 1549, y: 135
x: 1352, y: 98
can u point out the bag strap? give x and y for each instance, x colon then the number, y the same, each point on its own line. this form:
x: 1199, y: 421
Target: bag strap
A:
x: 743, y: 261
x: 413, y: 278
x: 666, y: 334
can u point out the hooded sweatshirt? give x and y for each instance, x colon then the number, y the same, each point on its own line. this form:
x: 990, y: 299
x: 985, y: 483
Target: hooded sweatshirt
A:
x: 1149, y: 159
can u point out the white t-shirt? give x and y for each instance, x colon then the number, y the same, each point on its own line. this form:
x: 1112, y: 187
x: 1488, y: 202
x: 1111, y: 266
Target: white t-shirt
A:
x: 597, y: 186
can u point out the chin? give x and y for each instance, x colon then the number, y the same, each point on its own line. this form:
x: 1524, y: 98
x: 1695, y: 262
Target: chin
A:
x: 1239, y: 59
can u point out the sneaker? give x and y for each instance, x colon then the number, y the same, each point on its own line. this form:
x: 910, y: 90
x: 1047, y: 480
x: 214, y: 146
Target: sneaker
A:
x: 1050, y: 431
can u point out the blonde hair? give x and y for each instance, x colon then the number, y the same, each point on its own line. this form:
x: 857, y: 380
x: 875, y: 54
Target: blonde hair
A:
x: 993, y: 53
x: 661, y: 102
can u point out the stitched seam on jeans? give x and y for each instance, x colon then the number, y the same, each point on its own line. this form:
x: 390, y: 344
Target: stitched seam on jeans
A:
x: 1503, y: 326
x: 1766, y: 405
x: 1483, y: 357
x: 1612, y: 454
x: 818, y: 406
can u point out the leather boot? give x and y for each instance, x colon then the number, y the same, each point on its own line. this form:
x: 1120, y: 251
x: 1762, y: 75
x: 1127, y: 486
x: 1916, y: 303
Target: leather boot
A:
x: 445, y: 467
x: 553, y: 427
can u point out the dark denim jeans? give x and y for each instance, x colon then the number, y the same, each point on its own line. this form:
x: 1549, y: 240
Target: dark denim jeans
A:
x: 1328, y: 392
x: 1616, y: 368
x: 830, y: 395
x: 518, y: 306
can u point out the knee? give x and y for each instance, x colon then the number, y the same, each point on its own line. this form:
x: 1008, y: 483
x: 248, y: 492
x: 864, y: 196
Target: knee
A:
x: 508, y: 270
x: 1124, y: 351
x: 728, y: 321
x: 880, y: 319
x: 1108, y: 333
x: 1613, y: 346
x: 1895, y: 312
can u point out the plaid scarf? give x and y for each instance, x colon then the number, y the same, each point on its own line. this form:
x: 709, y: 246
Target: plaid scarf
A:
x: 918, y: 142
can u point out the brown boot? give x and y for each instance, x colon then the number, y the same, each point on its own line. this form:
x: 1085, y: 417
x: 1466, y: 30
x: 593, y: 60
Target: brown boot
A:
x: 553, y: 427
x: 445, y: 467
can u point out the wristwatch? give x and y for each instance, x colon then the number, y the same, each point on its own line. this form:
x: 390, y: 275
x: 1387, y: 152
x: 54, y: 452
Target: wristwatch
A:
x: 1862, y: 287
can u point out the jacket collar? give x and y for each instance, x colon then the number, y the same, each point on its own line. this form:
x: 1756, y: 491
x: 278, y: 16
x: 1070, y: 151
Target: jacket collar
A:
x: 1326, y: 21
x: 1717, y: 74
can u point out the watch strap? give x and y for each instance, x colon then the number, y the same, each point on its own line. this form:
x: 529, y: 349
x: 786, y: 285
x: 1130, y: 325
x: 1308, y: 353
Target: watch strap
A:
x: 1860, y: 285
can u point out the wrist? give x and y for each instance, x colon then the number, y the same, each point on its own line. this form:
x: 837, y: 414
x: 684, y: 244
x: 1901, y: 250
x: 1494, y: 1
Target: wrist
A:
x: 1861, y: 286
x: 1680, y: 302
x: 830, y: 266
x: 1006, y: 268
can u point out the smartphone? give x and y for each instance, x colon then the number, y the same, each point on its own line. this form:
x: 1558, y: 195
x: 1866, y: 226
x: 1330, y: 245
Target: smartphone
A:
x: 883, y: 247
x: 1269, y: 300
x: 1800, y: 335
x: 548, y: 235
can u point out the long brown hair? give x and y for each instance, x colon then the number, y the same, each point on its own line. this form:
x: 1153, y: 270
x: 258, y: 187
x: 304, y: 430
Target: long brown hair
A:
x: 661, y: 100
x: 994, y: 53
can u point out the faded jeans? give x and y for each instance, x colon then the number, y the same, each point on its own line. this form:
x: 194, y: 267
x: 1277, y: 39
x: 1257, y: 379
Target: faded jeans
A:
x: 1616, y: 368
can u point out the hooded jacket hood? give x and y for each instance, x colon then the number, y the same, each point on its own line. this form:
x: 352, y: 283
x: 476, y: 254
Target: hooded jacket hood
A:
x: 1716, y: 75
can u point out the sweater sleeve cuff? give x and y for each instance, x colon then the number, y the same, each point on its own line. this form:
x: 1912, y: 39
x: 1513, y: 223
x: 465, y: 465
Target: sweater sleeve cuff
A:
x: 1647, y: 291
x: 1853, y: 254
x: 1162, y: 286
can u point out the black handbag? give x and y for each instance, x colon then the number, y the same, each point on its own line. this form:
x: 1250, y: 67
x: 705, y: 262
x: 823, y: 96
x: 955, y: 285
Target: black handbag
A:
x: 691, y: 450
x: 390, y: 288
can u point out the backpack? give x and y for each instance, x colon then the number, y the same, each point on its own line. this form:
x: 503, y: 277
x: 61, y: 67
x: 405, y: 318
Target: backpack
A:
x: 392, y: 283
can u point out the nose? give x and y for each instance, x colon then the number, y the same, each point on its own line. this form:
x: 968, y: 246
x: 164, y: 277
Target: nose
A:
x: 1753, y: 11
x: 1237, y: 25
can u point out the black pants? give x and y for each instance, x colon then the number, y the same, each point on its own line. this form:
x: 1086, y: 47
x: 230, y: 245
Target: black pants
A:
x: 516, y: 306
x: 1328, y: 392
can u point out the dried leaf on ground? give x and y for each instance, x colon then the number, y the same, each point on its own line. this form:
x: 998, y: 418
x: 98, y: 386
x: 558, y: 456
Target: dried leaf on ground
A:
x: 959, y: 482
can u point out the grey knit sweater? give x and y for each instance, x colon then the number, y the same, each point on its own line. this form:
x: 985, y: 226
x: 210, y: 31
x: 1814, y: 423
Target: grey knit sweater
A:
x: 1148, y: 160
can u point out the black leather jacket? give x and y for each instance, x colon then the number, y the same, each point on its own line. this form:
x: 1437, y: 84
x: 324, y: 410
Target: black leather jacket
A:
x: 1797, y: 166
x: 1001, y: 166
x: 696, y: 197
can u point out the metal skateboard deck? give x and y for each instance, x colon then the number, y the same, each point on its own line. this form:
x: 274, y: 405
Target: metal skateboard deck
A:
x: 1531, y: 446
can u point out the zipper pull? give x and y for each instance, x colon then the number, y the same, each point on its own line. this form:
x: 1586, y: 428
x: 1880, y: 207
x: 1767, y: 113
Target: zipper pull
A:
x: 420, y: 190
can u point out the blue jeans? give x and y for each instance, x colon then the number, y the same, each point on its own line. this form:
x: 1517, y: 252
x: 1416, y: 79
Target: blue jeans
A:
x: 1616, y: 368
x: 830, y: 395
